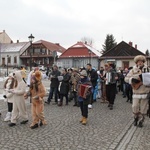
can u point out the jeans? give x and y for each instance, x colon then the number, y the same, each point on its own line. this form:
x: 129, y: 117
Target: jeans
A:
x: 55, y: 91
x: 84, y: 109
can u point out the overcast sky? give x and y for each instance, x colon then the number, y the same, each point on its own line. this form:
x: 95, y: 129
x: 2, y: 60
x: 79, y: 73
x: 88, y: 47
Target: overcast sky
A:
x: 68, y: 21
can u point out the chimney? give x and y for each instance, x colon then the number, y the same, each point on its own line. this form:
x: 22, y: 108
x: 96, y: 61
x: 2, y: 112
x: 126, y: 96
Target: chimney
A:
x: 17, y: 41
x: 135, y: 46
x: 3, y: 31
x: 85, y: 42
x: 57, y: 44
x: 130, y: 43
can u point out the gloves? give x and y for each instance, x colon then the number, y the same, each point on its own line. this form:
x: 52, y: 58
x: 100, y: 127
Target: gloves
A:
x: 134, y: 81
x: 35, y: 97
x: 141, y: 77
x: 4, y: 96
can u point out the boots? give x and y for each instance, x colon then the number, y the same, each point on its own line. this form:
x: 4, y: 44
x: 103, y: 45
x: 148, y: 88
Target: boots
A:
x: 81, y: 120
x: 111, y: 107
x: 84, y: 121
x: 135, y: 121
x: 8, y: 116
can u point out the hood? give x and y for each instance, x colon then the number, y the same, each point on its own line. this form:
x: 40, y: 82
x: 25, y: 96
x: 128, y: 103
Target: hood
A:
x: 18, y: 76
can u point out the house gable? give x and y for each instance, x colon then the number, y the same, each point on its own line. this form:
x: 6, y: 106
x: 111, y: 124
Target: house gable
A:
x: 122, y: 50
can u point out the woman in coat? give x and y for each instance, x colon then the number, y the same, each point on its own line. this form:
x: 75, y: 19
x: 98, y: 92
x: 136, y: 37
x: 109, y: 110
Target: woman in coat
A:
x: 64, y: 88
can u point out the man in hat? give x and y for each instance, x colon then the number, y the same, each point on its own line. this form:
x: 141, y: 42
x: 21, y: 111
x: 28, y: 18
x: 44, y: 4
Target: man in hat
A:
x: 110, y: 80
x: 140, y: 91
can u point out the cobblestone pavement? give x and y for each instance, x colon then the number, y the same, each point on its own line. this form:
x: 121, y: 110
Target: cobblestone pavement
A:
x: 106, y: 129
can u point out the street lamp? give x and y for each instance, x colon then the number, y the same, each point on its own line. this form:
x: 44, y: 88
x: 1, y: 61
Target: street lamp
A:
x: 89, y: 55
x: 7, y: 64
x: 31, y: 38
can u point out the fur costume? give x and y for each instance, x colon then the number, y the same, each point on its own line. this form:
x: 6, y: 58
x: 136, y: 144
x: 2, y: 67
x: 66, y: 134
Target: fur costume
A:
x: 140, y: 91
x: 37, y: 92
x: 19, y: 107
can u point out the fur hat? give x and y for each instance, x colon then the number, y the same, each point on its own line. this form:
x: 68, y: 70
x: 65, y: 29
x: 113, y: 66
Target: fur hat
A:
x: 139, y: 57
x: 11, y: 75
x: 38, y: 75
x: 83, y: 73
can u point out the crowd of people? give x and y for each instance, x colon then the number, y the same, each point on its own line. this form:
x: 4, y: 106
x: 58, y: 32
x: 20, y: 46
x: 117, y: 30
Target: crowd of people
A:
x: 83, y: 86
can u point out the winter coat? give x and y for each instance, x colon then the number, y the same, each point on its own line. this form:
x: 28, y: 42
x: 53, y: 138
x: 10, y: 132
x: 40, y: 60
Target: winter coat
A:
x: 9, y: 96
x: 74, y: 78
x: 92, y: 74
x: 142, y: 90
x: 54, y: 78
x: 85, y: 81
x: 21, y: 87
x: 64, y: 88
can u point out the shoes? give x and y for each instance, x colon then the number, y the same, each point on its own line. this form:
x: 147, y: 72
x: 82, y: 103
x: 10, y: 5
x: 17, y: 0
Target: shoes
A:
x: 124, y: 96
x: 60, y: 104
x: 111, y: 107
x: 84, y: 122
x: 34, y: 126
x: 108, y: 105
x: 81, y: 120
x: 90, y: 106
x: 24, y: 122
x: 75, y: 105
x: 8, y: 116
x: 41, y: 123
x: 127, y: 100
x: 135, y: 121
x: 47, y: 102
x: 12, y: 124
x: 140, y: 124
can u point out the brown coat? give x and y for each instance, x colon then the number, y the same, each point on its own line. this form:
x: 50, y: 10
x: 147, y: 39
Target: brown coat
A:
x: 40, y: 93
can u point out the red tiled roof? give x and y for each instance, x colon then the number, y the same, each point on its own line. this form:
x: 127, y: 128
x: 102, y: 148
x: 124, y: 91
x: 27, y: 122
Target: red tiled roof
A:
x: 78, y: 50
x: 51, y: 46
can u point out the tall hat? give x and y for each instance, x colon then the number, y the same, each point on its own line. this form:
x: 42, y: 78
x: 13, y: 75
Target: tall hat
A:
x: 139, y: 57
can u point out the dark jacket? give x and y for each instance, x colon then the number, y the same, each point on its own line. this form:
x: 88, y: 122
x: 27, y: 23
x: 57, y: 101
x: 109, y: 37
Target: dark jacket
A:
x: 64, y: 88
x: 85, y: 81
x: 92, y: 74
x: 54, y: 78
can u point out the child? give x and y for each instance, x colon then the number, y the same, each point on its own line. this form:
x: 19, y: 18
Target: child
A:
x: 37, y: 92
x: 84, y: 101
x: 9, y: 84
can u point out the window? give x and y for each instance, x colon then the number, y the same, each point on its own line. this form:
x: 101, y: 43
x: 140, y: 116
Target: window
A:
x: 9, y: 59
x: 15, y: 59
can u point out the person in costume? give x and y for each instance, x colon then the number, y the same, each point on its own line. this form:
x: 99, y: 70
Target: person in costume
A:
x: 140, y: 91
x: 19, y: 107
x: 37, y: 92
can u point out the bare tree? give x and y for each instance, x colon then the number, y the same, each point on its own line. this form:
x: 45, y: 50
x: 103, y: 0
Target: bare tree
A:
x: 87, y: 40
